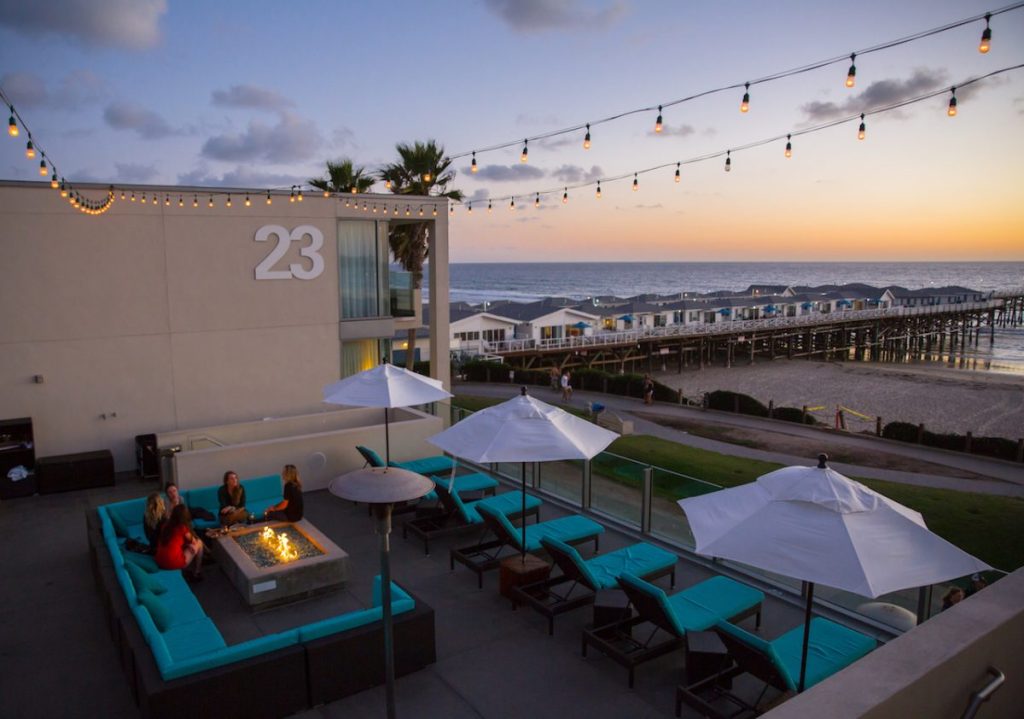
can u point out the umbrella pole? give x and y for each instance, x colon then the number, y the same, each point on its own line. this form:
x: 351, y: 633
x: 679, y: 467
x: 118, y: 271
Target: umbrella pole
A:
x: 387, y: 440
x: 523, y: 542
x: 384, y: 529
x: 807, y: 636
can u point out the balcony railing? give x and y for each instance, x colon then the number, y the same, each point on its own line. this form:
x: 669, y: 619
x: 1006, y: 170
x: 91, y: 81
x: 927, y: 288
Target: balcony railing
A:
x: 402, y: 295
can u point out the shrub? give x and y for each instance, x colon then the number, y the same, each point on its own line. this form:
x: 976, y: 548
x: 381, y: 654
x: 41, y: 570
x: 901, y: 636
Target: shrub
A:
x: 727, y: 401
x: 995, y: 447
x: 998, y: 447
x: 793, y: 414
x: 900, y: 431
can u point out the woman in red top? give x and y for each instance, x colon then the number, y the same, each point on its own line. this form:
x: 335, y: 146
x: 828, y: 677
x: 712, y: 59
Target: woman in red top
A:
x: 177, y: 547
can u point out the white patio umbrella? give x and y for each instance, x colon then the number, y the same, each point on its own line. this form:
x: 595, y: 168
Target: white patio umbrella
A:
x: 815, y: 525
x: 523, y: 429
x: 385, y: 386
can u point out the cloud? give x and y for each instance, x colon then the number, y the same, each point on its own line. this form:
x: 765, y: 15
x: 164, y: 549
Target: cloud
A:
x: 241, y: 176
x: 674, y: 130
x: 553, y: 143
x: 125, y: 24
x: 342, y: 137
x: 251, y: 96
x: 508, y: 173
x: 539, y: 15
x: 132, y: 172
x: 78, y: 88
x: 478, y: 195
x: 129, y: 116
x: 878, y: 94
x: 575, y: 173
x: 292, y: 138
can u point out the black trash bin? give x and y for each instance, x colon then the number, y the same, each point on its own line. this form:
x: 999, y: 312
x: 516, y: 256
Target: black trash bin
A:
x: 147, y: 461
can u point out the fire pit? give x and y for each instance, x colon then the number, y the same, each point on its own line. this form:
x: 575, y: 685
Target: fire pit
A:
x: 280, y: 562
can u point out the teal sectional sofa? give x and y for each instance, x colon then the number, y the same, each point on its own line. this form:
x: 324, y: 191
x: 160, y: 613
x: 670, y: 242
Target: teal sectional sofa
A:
x: 173, y: 652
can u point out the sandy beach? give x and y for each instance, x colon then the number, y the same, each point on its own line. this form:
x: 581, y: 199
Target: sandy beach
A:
x: 944, y: 399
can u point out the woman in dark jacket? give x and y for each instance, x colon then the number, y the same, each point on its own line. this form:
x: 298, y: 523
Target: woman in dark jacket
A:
x: 231, y: 497
x: 290, y: 508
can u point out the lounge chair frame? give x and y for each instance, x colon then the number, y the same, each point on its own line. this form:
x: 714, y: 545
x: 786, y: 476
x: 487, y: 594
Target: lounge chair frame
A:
x: 617, y: 640
x: 487, y: 555
x: 544, y: 597
x: 445, y: 521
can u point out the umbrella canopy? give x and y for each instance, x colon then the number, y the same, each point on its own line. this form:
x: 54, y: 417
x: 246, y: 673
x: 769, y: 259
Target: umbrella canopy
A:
x: 385, y: 386
x: 523, y: 429
x: 814, y: 524
x: 581, y: 325
x: 626, y: 318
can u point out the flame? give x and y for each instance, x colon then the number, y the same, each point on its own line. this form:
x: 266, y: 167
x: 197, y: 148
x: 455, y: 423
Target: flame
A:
x: 279, y: 544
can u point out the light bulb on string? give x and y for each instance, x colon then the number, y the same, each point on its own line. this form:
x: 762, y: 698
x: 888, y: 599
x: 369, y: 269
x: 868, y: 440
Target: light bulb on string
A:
x: 228, y: 202
x: 469, y: 208
x: 167, y: 200
x: 636, y: 183
x: 536, y: 202
x: 63, y: 188
x: 472, y: 166
x: 365, y: 206
x: 122, y: 193
x: 728, y: 160
x: 291, y: 197
x: 586, y: 138
x: 195, y: 201
x: 270, y: 200
x: 427, y: 177
x: 248, y: 202
x: 181, y: 201
x: 407, y: 211
x: 12, y: 124
x: 983, y: 47
x: 657, y: 123
x: 434, y: 211
x: 355, y: 190
x: 133, y: 194
x: 451, y: 209
x: 298, y: 197
x: 851, y: 74
x: 525, y: 156
x: 210, y: 203
x: 387, y: 185
x: 512, y: 204
x: 862, y: 130
x: 375, y: 208
x: 597, y: 194
x: 565, y: 196
x: 30, y: 149
x: 54, y: 184
x: 327, y: 193
x: 789, y: 147
x: 952, y: 104
x: 143, y: 200
x: 43, y: 171
x: 679, y: 176
x: 745, y: 104
x: 395, y: 211
x: 489, y: 208
x: 421, y: 210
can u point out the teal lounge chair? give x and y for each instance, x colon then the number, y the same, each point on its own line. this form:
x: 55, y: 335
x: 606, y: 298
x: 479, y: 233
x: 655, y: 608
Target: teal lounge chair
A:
x: 695, y: 609
x: 483, y: 556
x: 590, y: 575
x: 440, y: 464
x: 831, y: 647
x: 458, y: 515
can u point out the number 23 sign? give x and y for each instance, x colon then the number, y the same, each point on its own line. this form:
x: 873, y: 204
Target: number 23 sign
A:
x: 265, y: 271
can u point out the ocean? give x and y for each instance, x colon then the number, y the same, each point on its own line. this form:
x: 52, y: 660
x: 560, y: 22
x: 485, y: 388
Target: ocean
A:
x: 526, y: 281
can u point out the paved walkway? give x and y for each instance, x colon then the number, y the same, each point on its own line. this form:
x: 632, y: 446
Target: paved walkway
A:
x: 1002, y: 478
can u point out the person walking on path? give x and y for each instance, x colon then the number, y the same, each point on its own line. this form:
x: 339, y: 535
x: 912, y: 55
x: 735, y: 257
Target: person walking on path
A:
x: 566, y: 386
x: 648, y: 389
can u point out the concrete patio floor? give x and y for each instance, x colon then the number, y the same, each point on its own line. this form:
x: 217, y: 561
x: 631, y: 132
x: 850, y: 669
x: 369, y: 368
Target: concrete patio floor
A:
x: 493, y: 662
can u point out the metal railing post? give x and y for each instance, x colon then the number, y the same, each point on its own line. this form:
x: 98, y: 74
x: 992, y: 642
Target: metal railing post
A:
x: 646, y: 500
x: 585, y: 489
x: 924, y: 603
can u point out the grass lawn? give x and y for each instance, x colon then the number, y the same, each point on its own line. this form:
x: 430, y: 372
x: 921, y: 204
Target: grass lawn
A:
x: 989, y: 527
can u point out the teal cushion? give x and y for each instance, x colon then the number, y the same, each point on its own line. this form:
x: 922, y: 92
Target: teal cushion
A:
x: 428, y: 465
x: 371, y: 457
x: 397, y: 592
x: 718, y: 596
x: 192, y: 639
x: 205, y: 497
x: 831, y: 647
x: 143, y: 561
x: 158, y: 610
x: 227, y: 655
x: 507, y: 503
x: 143, y: 580
x: 558, y: 547
x: 640, y: 559
x: 120, y: 528
x: 764, y: 647
x: 266, y: 490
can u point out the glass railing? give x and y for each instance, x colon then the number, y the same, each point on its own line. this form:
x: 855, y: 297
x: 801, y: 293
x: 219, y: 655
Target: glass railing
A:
x: 402, y: 296
x: 616, y: 489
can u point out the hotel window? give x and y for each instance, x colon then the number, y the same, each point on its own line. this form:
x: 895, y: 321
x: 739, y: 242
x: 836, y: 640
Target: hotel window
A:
x: 467, y: 336
x: 494, y: 335
x: 359, y: 355
x: 363, y: 269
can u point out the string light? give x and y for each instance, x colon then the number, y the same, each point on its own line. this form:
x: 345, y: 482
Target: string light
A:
x: 407, y: 211
x: 248, y: 202
x: 143, y: 198
x: 375, y: 208
x: 291, y: 197
x: 167, y: 200
x: 298, y: 197
x: 427, y: 176
x: 210, y: 203
x: 526, y: 152
x: 228, y: 203
x: 195, y: 201
x: 472, y: 166
x: 355, y: 190
x: 512, y: 204
x: 395, y: 211
x: 12, y: 125
x: 469, y: 208
x: 851, y: 74
x: 536, y: 202
x: 952, y: 104
x: 451, y: 209
x: 122, y: 193
x: 327, y: 193
x: 421, y: 210
x: 64, y: 189
x: 387, y: 185
x: 678, y: 177
x: 728, y: 161
x: 598, y: 193
x: 434, y: 212
x: 983, y: 47
x: 586, y: 138
x: 862, y: 130
x: 636, y: 183
x: 181, y: 202
x: 789, y: 147
x: 745, y: 104
x: 489, y: 206
x: 270, y: 200
x: 133, y: 192
x: 30, y: 150
x: 565, y: 196
x: 657, y: 123
x: 54, y: 184
x: 43, y: 172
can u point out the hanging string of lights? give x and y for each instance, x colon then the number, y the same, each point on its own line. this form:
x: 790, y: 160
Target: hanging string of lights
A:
x: 47, y: 167
x: 788, y: 137
x: 983, y: 47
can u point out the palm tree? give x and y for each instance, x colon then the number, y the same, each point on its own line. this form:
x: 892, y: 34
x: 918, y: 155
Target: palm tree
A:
x: 344, y: 176
x: 423, y: 169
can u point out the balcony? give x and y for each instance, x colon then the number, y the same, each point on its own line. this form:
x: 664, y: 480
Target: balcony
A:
x: 403, y: 297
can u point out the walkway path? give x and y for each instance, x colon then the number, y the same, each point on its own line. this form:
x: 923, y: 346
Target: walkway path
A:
x: 1001, y: 478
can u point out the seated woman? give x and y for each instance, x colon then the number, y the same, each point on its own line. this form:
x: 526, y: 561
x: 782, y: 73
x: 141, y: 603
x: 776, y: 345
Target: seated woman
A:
x: 153, y: 519
x: 173, y: 496
x: 290, y: 508
x: 231, y: 497
x: 177, y: 547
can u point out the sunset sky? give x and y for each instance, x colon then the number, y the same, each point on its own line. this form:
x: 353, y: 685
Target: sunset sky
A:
x: 258, y: 94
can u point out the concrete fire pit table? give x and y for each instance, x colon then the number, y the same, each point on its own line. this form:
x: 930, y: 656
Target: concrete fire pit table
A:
x: 322, y: 567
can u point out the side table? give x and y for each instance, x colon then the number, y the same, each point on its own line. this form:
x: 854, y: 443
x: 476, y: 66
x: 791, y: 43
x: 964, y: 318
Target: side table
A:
x: 517, y: 571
